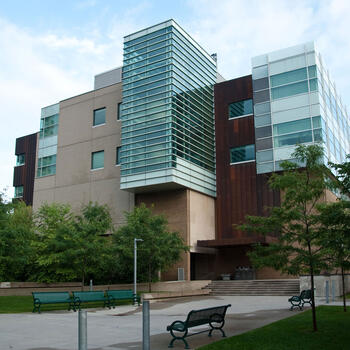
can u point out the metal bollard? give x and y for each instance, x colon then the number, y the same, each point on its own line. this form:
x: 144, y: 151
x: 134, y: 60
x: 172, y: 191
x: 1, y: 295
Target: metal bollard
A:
x: 82, y: 330
x: 327, y: 292
x: 145, y: 325
x: 91, y: 287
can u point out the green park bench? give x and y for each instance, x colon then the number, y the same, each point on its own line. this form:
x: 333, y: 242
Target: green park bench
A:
x: 86, y: 297
x: 300, y: 300
x: 213, y: 316
x: 40, y: 298
x: 119, y: 294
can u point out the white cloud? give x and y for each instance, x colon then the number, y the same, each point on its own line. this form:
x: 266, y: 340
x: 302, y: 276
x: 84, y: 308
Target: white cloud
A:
x: 38, y: 69
x: 240, y: 29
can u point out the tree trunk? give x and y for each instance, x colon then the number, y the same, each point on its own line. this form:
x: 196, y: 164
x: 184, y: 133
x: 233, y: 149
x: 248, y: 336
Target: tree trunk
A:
x: 313, y: 299
x: 343, y: 285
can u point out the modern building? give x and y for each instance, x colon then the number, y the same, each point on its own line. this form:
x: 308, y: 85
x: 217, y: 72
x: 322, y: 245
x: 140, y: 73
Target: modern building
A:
x: 167, y: 130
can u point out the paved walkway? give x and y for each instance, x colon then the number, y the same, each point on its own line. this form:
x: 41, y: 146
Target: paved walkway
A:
x: 121, y: 328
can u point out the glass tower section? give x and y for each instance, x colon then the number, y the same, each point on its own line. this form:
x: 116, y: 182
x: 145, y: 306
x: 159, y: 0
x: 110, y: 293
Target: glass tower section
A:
x: 48, y: 141
x: 167, y: 111
x: 295, y: 102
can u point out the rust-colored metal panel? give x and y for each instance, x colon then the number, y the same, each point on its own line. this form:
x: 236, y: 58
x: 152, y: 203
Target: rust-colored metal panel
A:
x: 240, y: 191
x: 24, y: 175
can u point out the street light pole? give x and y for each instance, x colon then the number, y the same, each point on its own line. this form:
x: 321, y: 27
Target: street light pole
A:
x: 135, y: 267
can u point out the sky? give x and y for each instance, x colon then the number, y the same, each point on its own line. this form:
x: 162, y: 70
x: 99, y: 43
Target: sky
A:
x: 50, y: 50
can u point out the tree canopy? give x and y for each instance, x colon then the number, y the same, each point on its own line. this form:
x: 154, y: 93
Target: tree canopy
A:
x: 298, y: 249
x: 159, y: 250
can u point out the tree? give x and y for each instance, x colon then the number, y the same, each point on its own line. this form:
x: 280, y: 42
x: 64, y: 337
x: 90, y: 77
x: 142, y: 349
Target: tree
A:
x: 335, y: 220
x: 335, y: 227
x: 159, y: 250
x: 16, y: 236
x: 72, y: 246
x: 297, y: 249
x: 342, y: 178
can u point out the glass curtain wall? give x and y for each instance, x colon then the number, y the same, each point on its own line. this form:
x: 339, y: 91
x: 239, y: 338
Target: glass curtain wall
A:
x: 48, y: 141
x: 167, y: 110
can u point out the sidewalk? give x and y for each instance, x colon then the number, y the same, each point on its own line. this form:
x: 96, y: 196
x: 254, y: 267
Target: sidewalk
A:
x: 121, y: 328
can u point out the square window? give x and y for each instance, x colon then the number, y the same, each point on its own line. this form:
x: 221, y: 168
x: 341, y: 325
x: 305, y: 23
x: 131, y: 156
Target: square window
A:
x: 97, y: 160
x: 99, y: 116
x: 240, y: 108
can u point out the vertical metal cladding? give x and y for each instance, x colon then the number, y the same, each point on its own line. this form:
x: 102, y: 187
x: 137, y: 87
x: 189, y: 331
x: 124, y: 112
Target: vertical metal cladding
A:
x: 167, y: 110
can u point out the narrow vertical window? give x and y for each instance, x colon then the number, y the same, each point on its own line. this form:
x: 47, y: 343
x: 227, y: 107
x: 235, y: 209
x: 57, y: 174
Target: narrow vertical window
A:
x: 117, y: 158
x: 97, y: 160
x: 20, y: 159
x: 119, y: 110
x: 18, y: 191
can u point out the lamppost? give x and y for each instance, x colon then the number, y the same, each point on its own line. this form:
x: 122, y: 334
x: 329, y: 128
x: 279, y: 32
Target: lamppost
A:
x: 135, y: 267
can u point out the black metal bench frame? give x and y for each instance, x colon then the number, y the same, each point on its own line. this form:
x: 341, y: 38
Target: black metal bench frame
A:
x: 300, y: 300
x: 112, y: 298
x: 213, y: 316
x: 37, y: 302
x: 77, y: 301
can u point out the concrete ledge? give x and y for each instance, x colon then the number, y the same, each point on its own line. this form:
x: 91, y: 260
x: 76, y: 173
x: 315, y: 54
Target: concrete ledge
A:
x: 179, y: 294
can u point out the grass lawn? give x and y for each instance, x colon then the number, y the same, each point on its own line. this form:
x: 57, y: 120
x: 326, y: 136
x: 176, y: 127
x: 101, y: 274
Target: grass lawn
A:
x: 17, y: 304
x: 295, y: 333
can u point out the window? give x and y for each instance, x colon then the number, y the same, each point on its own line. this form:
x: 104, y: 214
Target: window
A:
x: 99, y: 116
x: 240, y: 109
x: 97, y: 160
x: 18, y: 191
x: 117, y: 158
x: 293, y: 139
x: 20, y: 159
x: 289, y: 90
x: 242, y: 154
x: 119, y: 110
x: 49, y: 126
x: 293, y: 126
x: 46, y: 166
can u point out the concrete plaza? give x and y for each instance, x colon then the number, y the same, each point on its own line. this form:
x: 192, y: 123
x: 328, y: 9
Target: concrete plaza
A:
x: 121, y: 328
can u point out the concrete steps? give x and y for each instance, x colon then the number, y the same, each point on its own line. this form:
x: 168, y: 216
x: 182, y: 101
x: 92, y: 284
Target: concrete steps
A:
x: 255, y: 287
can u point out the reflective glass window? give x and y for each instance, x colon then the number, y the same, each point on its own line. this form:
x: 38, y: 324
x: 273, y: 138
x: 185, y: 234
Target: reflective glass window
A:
x: 263, y: 132
x: 264, y: 144
x: 289, y: 90
x: 20, y: 159
x: 293, y: 139
x: 99, y: 116
x: 117, y: 157
x: 288, y: 77
x: 97, y: 160
x: 240, y: 108
x: 313, y: 84
x: 18, y: 191
x: 293, y: 126
x: 312, y: 72
x: 260, y: 84
x: 262, y: 120
x: 264, y: 156
x: 262, y: 108
x: 242, y: 154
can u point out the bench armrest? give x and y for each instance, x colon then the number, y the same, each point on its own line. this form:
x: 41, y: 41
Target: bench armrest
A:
x: 179, y: 326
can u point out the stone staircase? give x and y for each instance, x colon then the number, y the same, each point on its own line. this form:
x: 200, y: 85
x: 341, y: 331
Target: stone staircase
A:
x: 255, y: 287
